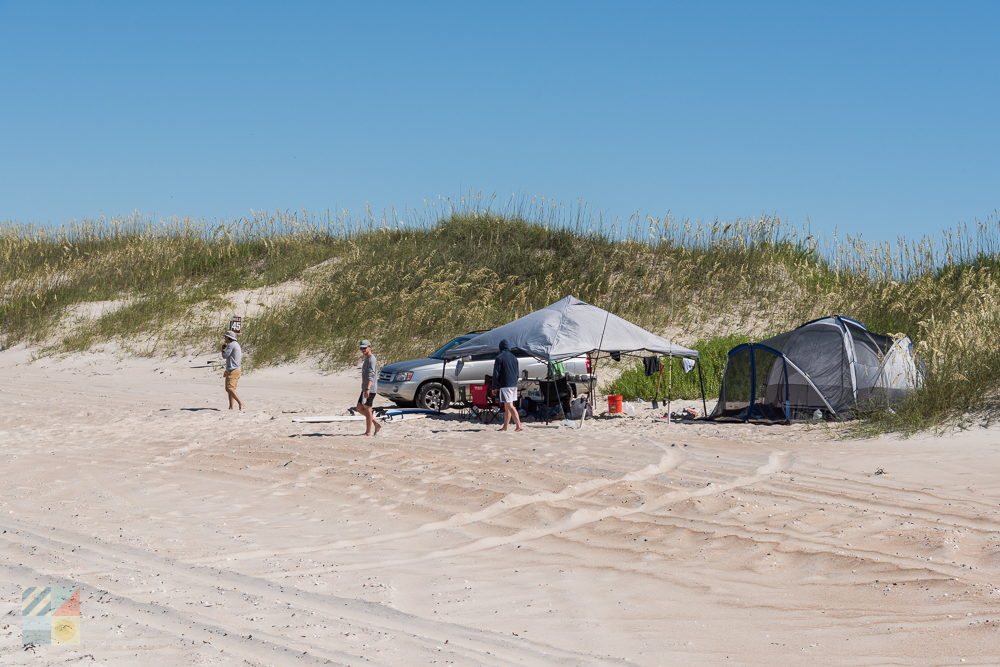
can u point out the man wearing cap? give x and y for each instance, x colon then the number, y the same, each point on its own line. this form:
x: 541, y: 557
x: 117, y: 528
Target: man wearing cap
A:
x: 369, y: 371
x: 233, y: 355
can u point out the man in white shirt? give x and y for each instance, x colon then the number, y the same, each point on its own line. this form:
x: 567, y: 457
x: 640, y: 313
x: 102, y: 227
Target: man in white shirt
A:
x: 369, y: 374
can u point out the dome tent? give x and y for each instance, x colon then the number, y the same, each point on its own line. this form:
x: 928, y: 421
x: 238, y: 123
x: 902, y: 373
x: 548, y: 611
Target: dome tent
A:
x: 833, y: 365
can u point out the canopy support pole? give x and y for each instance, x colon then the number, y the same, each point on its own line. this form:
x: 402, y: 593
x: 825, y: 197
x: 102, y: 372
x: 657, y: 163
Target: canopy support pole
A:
x: 593, y: 369
x: 701, y: 382
x: 590, y: 388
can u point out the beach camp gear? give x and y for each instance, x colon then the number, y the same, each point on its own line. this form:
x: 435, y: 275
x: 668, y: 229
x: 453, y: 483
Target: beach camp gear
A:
x: 485, y: 407
x: 556, y: 393
x: 579, y: 407
x: 656, y: 396
x: 570, y: 328
x: 654, y: 367
x: 833, y: 364
x: 682, y: 415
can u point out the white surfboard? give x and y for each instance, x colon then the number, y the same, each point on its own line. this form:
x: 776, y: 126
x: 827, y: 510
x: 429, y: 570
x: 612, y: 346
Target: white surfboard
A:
x: 381, y: 415
x: 328, y: 419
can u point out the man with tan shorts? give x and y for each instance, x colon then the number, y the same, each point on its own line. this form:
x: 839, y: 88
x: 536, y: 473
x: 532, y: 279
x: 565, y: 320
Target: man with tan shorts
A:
x: 233, y: 355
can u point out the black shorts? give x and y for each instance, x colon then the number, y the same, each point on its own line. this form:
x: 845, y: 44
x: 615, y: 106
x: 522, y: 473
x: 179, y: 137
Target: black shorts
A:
x: 369, y: 401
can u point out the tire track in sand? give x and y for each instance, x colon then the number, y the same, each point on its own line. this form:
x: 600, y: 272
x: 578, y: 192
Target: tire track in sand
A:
x: 669, y: 461
x: 420, y: 633
x: 579, y: 518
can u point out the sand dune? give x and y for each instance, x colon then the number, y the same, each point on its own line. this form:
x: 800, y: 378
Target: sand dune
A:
x: 200, y: 536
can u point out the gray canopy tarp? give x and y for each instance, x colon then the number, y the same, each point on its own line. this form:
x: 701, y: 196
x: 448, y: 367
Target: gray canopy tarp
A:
x: 569, y: 328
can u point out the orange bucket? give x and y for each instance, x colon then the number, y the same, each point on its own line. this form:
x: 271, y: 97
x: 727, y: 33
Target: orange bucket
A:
x: 614, y: 404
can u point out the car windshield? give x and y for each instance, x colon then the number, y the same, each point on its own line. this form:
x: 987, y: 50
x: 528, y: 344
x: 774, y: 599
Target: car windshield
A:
x: 450, y: 344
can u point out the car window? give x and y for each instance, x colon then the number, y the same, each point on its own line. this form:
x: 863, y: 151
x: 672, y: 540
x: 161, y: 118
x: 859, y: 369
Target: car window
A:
x: 450, y: 344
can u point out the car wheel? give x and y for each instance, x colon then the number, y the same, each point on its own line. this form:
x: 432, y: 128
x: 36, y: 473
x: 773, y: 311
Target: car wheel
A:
x: 433, y: 396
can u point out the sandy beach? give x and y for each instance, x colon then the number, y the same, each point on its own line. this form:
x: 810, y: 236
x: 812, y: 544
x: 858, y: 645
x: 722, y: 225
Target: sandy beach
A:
x: 201, y: 536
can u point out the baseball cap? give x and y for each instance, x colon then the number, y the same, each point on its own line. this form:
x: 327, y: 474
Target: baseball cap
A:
x: 364, y: 343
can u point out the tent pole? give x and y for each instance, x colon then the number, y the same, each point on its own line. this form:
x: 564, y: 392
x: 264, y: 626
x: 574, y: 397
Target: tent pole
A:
x: 701, y: 381
x: 593, y: 375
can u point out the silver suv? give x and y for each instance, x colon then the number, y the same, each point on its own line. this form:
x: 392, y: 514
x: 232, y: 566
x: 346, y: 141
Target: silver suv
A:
x: 433, y: 383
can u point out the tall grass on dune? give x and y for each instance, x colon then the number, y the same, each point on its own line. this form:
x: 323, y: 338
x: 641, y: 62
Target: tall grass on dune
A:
x: 479, y: 262
x: 159, y: 269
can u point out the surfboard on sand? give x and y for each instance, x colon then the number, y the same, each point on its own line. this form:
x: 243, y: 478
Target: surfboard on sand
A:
x: 412, y: 411
x: 380, y: 414
x: 330, y: 418
x: 399, y: 416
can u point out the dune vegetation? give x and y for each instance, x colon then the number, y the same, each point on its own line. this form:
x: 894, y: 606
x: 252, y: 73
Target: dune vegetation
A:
x: 313, y: 286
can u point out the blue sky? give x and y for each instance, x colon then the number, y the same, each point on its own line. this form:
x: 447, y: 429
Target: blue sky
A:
x: 871, y: 118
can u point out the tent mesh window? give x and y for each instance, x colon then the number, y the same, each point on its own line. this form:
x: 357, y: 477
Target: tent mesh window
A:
x: 734, y: 398
x: 754, y: 385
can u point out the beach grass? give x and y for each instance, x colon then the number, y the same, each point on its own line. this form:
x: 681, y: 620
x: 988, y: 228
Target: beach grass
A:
x: 166, y: 287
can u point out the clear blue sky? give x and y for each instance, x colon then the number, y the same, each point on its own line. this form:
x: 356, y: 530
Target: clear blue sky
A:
x: 871, y: 117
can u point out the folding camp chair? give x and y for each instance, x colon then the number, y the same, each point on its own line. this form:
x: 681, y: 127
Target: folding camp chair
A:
x: 485, y: 407
x: 464, y: 402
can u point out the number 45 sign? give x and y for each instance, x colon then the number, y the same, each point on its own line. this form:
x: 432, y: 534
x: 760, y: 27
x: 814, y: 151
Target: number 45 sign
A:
x: 235, y: 323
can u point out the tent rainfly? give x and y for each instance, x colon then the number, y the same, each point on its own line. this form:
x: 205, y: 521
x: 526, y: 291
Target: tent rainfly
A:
x: 569, y: 328
x: 825, y: 368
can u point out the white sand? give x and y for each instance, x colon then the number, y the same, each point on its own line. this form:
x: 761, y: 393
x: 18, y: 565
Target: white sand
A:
x: 200, y: 536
